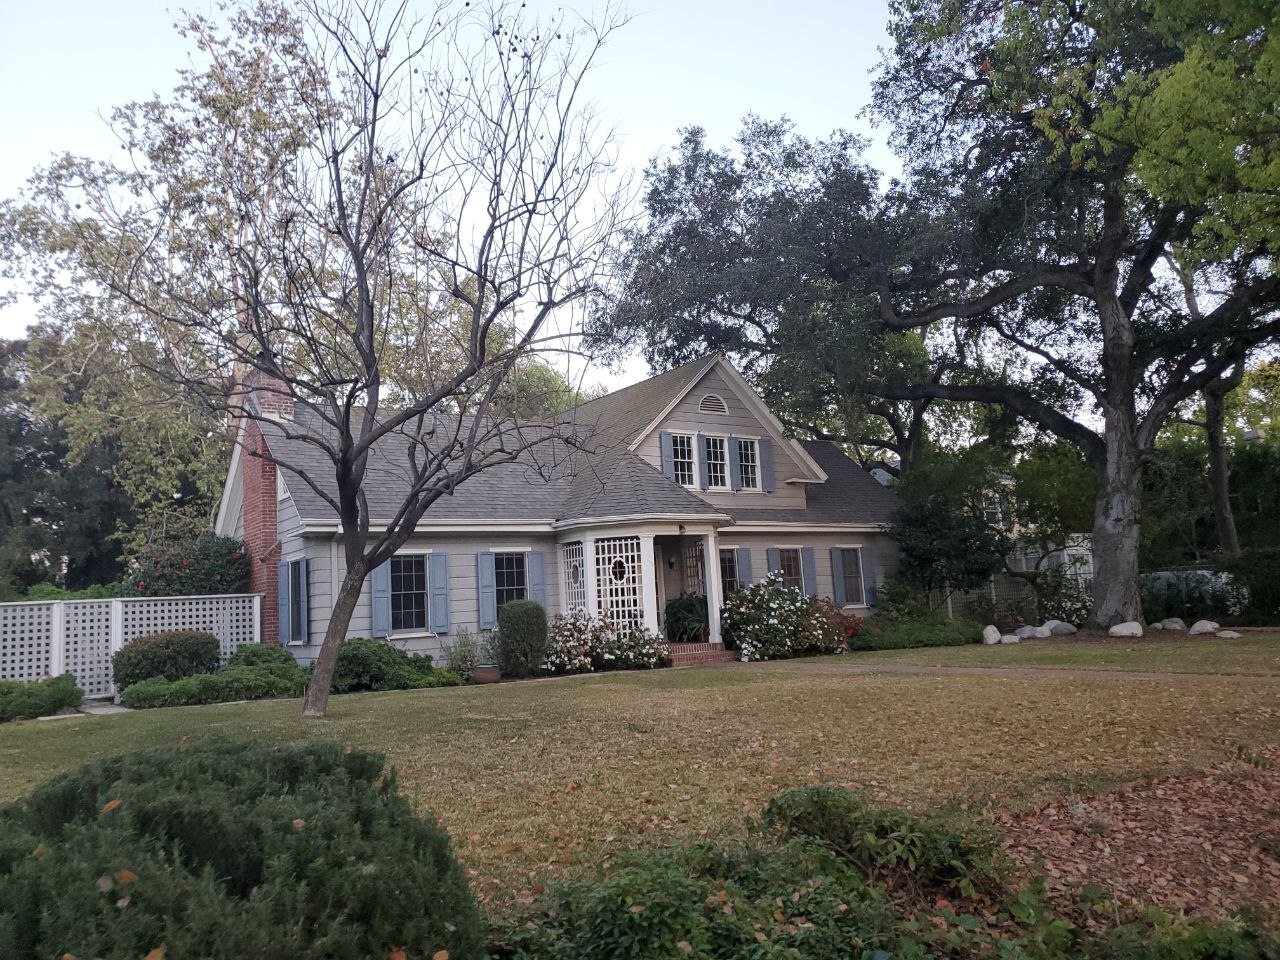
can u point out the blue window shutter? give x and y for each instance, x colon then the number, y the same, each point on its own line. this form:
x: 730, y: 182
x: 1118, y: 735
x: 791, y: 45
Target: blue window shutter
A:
x: 837, y: 577
x: 486, y: 590
x: 773, y: 559
x: 766, y: 466
x: 668, y: 455
x: 735, y: 465
x: 744, y: 565
x: 282, y: 585
x: 808, y: 571
x: 701, y: 442
x: 304, y: 601
x: 869, y: 574
x: 438, y: 587
x: 380, y: 600
x: 537, y: 577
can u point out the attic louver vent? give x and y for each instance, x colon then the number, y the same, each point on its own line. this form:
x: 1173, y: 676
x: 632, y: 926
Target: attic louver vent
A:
x: 712, y: 403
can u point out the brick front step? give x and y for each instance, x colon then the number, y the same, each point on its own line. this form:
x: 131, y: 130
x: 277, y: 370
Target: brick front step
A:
x: 697, y: 654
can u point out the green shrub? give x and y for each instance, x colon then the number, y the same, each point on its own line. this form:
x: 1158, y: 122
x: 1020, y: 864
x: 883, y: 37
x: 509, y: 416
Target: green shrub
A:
x: 207, y: 564
x: 172, y: 654
x: 686, y: 618
x: 899, y: 600
x: 1191, y: 595
x: 42, y: 698
x: 261, y: 655
x: 930, y: 632
x: 1258, y: 571
x: 630, y: 648
x: 365, y: 664
x: 230, y: 850
x: 51, y: 591
x: 461, y: 653
x: 888, y: 844
x: 522, y: 638
x: 225, y: 686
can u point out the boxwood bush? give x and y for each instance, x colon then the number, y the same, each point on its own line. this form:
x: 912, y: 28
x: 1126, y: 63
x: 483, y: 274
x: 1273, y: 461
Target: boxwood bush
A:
x: 261, y: 655
x: 928, y: 632
x: 227, y: 685
x: 171, y: 654
x: 42, y: 698
x: 365, y: 664
x: 228, y: 849
x: 521, y: 642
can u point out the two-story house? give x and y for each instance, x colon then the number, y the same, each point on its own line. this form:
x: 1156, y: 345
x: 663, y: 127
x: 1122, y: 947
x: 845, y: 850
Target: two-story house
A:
x: 687, y: 483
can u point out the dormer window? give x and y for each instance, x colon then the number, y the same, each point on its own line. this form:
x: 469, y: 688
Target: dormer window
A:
x: 713, y: 403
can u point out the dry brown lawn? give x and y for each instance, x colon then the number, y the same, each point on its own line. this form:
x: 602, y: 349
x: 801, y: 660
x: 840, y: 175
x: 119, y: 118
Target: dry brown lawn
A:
x: 555, y: 776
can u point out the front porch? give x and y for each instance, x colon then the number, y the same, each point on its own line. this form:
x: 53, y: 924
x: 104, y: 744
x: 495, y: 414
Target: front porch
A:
x: 629, y: 577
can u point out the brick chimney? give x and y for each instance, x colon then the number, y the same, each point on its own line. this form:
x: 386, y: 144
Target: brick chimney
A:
x: 261, y: 535
x: 271, y: 394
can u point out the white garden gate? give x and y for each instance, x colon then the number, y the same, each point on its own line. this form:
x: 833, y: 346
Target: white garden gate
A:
x: 46, y: 638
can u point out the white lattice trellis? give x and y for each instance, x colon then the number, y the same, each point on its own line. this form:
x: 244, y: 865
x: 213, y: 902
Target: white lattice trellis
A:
x: 575, y: 576
x: 26, y: 640
x: 618, y: 580
x: 79, y: 636
x: 87, y: 645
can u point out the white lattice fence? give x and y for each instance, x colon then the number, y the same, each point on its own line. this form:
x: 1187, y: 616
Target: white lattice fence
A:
x: 79, y: 636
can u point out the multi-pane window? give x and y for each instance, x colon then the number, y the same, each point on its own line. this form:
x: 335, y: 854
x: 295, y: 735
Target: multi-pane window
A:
x: 717, y: 474
x: 749, y: 461
x: 729, y: 571
x: 682, y: 458
x: 695, y: 581
x: 409, y: 592
x: 789, y: 563
x: 510, y: 577
x: 851, y: 570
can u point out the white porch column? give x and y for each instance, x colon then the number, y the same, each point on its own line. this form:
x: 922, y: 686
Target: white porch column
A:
x: 715, y: 590
x: 648, y: 583
x: 589, y: 571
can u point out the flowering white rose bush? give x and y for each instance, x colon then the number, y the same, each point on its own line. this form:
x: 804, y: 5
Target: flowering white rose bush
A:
x: 768, y: 621
x: 579, y: 643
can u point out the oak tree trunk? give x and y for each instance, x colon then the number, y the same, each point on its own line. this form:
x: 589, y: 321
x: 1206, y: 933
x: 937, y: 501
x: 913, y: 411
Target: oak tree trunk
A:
x: 316, y: 701
x: 1220, y: 474
x: 1116, y: 597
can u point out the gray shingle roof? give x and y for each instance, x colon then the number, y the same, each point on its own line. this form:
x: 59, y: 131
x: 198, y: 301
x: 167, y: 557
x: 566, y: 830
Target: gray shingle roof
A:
x: 602, y: 480
x: 850, y: 495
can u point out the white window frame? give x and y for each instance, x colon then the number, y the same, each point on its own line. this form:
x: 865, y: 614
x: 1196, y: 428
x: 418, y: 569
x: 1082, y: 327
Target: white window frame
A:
x: 511, y: 550
x: 693, y: 460
x: 755, y: 462
x: 862, y: 585
x: 723, y: 440
x: 425, y: 630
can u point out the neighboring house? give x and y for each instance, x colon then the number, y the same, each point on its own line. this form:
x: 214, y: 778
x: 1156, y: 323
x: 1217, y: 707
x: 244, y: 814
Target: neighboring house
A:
x: 687, y: 483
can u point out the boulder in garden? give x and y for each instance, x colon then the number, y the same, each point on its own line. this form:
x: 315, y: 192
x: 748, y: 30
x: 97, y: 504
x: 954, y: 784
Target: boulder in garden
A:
x: 1130, y: 628
x: 1203, y: 626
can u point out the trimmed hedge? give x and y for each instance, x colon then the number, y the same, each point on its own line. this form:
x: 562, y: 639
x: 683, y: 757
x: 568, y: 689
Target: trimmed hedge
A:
x: 230, y: 684
x: 171, y: 654
x: 900, y: 634
x: 521, y: 640
x: 43, y: 698
x: 365, y: 664
x: 261, y: 655
x: 230, y: 850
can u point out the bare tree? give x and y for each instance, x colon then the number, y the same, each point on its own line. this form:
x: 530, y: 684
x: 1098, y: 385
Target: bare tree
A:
x: 433, y: 169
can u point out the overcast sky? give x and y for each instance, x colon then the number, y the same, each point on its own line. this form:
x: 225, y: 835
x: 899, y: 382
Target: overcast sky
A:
x: 64, y: 65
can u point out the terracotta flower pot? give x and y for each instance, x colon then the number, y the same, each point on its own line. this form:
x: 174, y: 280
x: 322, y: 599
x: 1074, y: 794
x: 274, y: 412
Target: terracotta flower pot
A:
x: 486, y: 673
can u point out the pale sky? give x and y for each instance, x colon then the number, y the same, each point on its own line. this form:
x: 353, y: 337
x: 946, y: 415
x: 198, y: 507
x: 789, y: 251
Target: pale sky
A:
x: 63, y: 66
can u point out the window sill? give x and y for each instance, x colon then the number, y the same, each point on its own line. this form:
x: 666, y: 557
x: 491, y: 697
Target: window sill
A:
x: 414, y: 635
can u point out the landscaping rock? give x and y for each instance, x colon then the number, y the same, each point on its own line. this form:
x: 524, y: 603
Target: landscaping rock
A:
x: 1203, y: 626
x: 1228, y: 635
x: 1010, y: 638
x: 1050, y: 624
x: 1173, y: 623
x: 1025, y: 632
x: 1064, y: 630
x: 1155, y: 626
x: 990, y: 634
x: 1130, y: 628
x: 1043, y: 632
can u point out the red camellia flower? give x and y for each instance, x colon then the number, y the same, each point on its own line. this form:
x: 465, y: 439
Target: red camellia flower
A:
x: 236, y: 555
x: 140, y: 586
x: 186, y: 562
